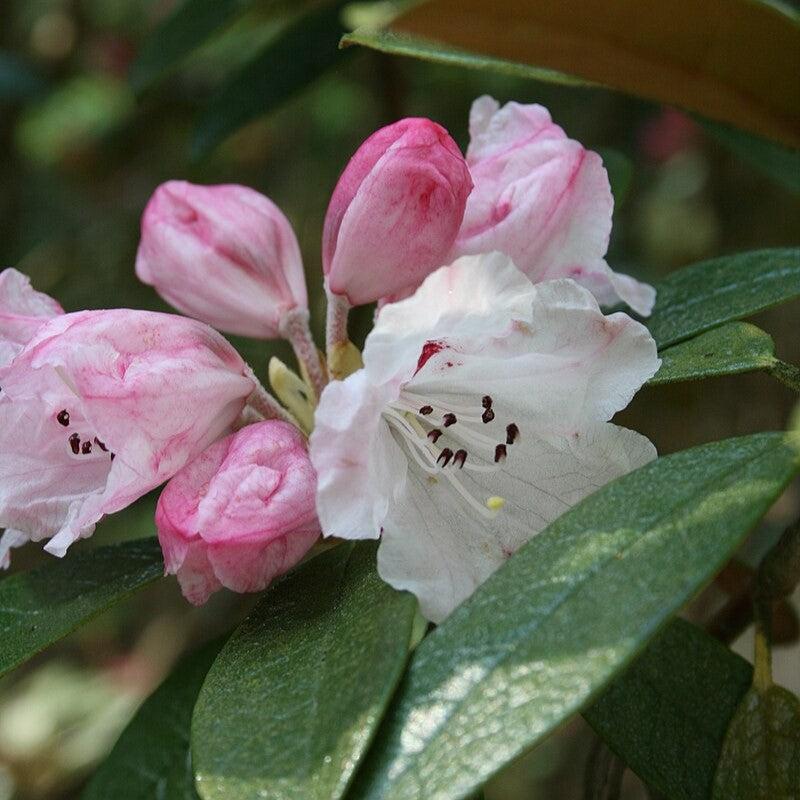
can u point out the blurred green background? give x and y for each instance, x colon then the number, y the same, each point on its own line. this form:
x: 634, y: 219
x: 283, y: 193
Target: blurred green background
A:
x: 80, y: 154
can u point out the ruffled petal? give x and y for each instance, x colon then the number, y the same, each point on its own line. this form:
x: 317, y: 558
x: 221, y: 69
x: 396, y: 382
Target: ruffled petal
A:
x: 358, y: 463
x: 474, y: 299
x: 435, y: 545
x: 44, y: 487
x: 542, y: 199
x: 22, y: 312
x: 565, y: 363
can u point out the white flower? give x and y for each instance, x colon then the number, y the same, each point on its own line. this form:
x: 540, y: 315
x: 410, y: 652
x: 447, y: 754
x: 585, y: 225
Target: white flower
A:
x: 481, y: 415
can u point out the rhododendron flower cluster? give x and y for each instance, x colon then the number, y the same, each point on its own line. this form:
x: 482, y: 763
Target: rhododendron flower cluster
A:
x: 479, y: 411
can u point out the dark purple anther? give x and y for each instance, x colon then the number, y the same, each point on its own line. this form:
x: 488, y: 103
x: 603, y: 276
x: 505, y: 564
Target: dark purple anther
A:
x: 449, y: 419
x: 445, y: 456
x: 425, y: 410
x: 459, y: 458
x: 63, y: 417
x: 86, y: 447
x: 499, y: 453
x: 512, y: 432
x: 434, y: 435
x: 75, y: 443
x: 487, y: 401
x: 487, y: 416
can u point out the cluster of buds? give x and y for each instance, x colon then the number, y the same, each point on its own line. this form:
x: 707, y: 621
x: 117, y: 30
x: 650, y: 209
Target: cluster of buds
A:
x: 117, y: 402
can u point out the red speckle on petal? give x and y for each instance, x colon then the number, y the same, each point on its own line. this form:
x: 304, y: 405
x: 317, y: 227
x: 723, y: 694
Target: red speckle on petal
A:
x: 429, y: 349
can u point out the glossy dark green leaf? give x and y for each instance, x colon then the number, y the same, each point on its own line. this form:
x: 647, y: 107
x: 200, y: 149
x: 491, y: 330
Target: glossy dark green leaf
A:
x: 151, y: 758
x: 782, y: 164
x: 398, y: 44
x: 40, y: 607
x: 293, y: 700
x: 730, y: 349
x: 705, y: 295
x: 297, y: 56
x: 546, y: 633
x: 179, y: 34
x: 761, y: 755
x: 667, y: 714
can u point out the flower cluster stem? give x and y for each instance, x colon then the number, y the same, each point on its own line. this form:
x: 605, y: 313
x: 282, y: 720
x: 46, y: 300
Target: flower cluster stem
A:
x: 264, y: 403
x: 294, y: 327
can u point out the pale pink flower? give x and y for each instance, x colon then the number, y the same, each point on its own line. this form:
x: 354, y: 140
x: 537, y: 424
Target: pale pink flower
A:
x: 481, y: 414
x: 22, y: 311
x: 241, y: 513
x: 225, y: 255
x: 99, y: 408
x: 543, y: 200
x: 395, y: 212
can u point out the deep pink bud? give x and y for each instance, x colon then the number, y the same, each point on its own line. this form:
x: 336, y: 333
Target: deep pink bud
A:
x: 240, y: 514
x: 225, y: 255
x: 395, y: 212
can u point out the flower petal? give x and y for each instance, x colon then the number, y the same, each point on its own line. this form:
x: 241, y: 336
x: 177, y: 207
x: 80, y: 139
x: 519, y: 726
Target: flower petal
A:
x: 358, y: 463
x: 542, y: 199
x: 435, y: 546
x: 22, y: 311
x: 475, y: 298
x: 566, y: 363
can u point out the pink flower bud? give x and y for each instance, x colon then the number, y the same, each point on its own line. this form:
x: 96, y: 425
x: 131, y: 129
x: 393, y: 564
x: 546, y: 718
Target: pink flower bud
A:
x: 23, y: 310
x: 240, y: 514
x: 395, y: 212
x: 100, y: 407
x: 225, y: 255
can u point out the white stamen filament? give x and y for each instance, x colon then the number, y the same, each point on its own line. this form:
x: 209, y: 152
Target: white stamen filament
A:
x: 467, y: 435
x: 418, y: 445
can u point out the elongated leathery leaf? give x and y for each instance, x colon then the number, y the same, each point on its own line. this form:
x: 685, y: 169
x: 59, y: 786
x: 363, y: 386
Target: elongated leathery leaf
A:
x: 735, y: 61
x: 547, y: 631
x: 40, y: 607
x: 735, y: 347
x: 706, y: 295
x: 667, y: 714
x: 293, y: 700
x: 151, y: 758
x: 297, y: 56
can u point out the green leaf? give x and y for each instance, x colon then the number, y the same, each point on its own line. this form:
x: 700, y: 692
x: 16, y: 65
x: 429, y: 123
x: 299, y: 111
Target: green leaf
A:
x: 705, y: 295
x: 734, y: 62
x: 298, y: 55
x: 151, y: 758
x: 183, y: 31
x: 667, y: 714
x: 782, y: 164
x: 539, y: 640
x: 398, y: 44
x: 40, y: 607
x: 761, y: 755
x: 730, y: 349
x: 292, y: 702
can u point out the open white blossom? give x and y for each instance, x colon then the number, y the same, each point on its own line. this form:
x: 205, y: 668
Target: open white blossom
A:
x: 481, y: 414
